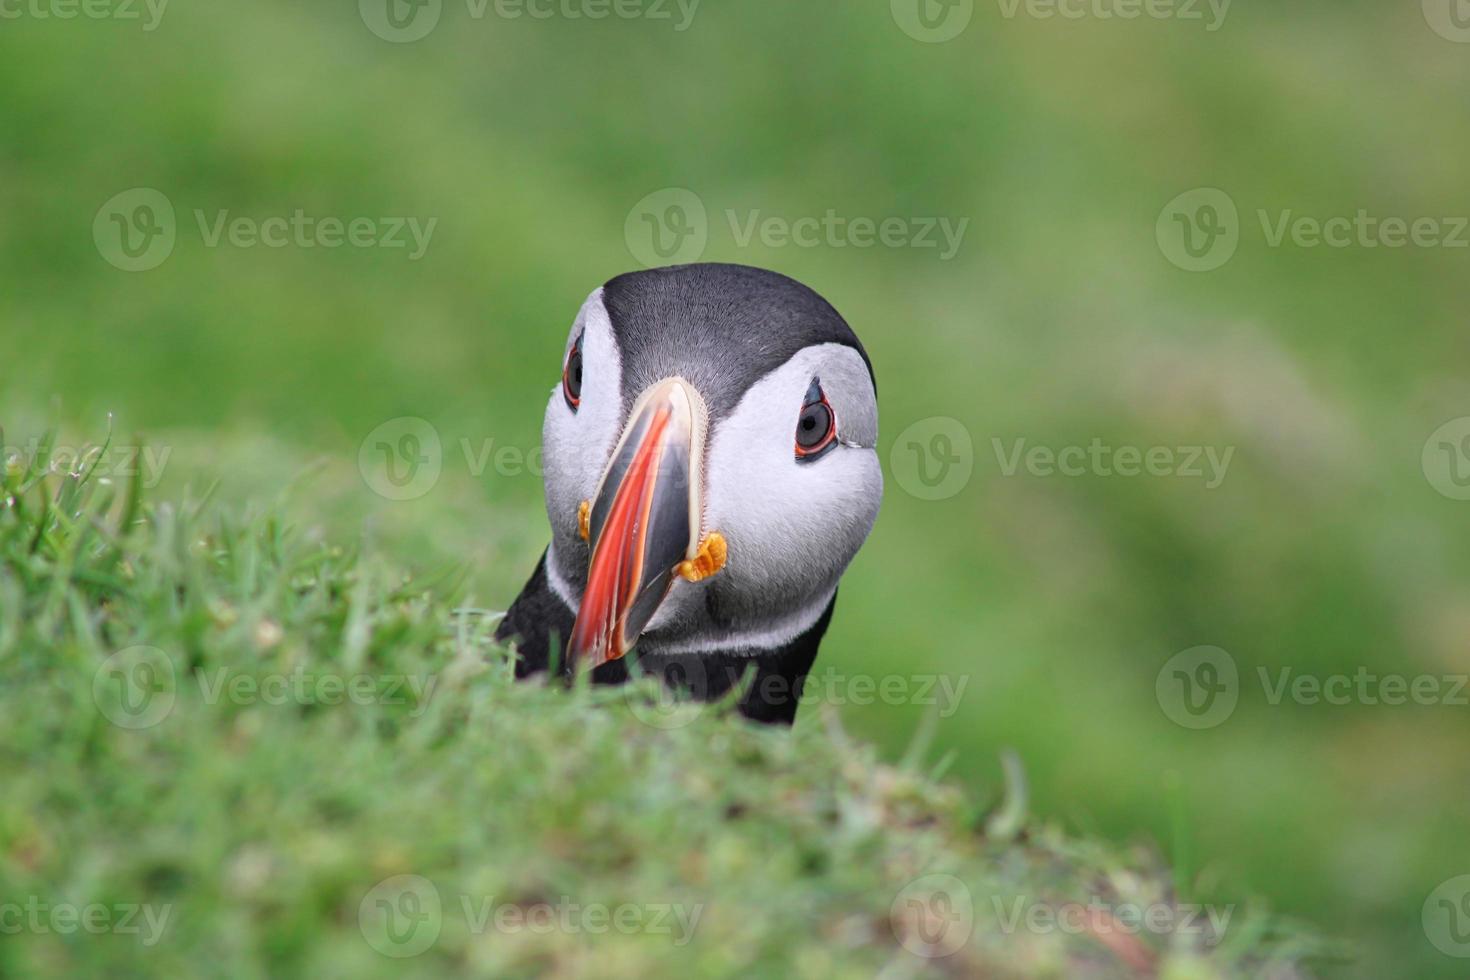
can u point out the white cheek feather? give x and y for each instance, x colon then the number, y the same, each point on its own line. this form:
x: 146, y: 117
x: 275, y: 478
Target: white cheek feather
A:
x: 792, y: 527
x: 575, y: 444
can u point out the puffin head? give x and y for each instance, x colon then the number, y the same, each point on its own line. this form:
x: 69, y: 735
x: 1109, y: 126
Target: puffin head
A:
x: 710, y: 462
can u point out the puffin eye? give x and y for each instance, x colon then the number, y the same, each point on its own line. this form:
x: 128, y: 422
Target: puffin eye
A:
x: 571, y: 375
x: 816, y: 426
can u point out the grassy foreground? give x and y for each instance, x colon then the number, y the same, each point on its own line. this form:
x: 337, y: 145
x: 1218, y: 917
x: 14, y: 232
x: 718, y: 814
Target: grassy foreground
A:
x: 1061, y: 320
x: 229, y: 747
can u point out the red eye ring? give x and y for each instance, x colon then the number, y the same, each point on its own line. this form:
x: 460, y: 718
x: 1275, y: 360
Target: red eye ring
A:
x: 571, y: 375
x: 816, y: 426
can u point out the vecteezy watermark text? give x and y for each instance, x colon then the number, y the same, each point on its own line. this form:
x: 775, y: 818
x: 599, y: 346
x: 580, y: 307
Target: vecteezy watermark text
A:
x: 116, y: 462
x: 138, y: 687
x: 938, y: 21
x: 302, y: 230
x: 682, y: 695
x: 1200, y: 687
x: 1099, y: 459
x: 402, y: 916
x: 832, y: 230
x: 1098, y: 916
x: 405, y: 21
x: 564, y: 915
x: 680, y: 13
x: 1362, y: 687
x: 36, y: 915
x: 312, y: 687
x: 1200, y: 230
x: 832, y: 686
x: 138, y: 229
x: 1211, y: 12
x: 1363, y: 230
x: 672, y: 226
x: 148, y: 12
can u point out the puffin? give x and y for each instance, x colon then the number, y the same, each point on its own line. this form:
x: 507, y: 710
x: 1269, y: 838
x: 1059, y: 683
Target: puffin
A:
x: 710, y: 468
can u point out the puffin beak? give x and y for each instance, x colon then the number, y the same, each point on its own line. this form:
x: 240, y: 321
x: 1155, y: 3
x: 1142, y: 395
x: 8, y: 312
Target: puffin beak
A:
x: 644, y: 521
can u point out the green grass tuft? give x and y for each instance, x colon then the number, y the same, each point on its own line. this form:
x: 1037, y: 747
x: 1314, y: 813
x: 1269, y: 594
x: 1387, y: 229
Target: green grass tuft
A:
x: 231, y: 747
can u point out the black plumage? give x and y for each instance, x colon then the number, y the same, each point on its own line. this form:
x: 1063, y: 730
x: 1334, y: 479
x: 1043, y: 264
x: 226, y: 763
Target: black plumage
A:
x: 538, y: 622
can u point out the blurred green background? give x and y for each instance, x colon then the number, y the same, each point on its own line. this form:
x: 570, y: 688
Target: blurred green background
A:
x: 1063, y: 318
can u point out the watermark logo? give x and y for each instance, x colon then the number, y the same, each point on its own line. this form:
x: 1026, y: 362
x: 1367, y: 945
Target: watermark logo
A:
x: 1199, y: 687
x: 136, y: 230
x: 401, y: 459
x: 400, y: 21
x: 934, y: 458
x: 674, y: 700
x: 668, y: 227
x: 1450, y: 19
x: 1199, y: 230
x: 932, y: 21
x: 1446, y: 917
x: 401, y: 916
x: 1446, y: 459
x: 933, y: 916
x: 135, y: 688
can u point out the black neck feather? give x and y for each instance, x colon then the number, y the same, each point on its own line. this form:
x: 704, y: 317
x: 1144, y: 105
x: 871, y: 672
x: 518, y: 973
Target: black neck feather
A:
x: 538, y: 621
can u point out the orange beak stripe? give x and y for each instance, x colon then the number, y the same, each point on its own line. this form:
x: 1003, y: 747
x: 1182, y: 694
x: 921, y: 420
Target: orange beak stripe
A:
x: 616, y: 572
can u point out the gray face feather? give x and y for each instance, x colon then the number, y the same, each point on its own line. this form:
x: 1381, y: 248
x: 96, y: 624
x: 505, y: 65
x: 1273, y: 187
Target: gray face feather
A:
x: 751, y: 342
x: 723, y: 327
